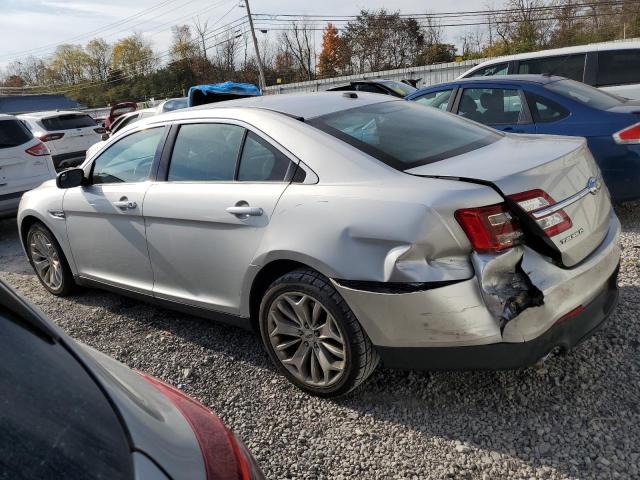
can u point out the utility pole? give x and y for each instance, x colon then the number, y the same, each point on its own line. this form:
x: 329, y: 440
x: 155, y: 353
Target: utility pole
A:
x: 263, y: 82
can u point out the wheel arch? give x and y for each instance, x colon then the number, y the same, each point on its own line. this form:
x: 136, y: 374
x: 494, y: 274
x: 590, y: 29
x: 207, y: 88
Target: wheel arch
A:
x: 271, y: 271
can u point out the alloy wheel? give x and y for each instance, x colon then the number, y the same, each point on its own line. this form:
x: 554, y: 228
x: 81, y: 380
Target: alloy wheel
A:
x: 46, y: 260
x: 307, y: 339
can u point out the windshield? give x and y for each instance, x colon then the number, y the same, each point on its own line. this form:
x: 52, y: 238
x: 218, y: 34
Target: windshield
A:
x: 399, y: 87
x: 585, y: 94
x: 405, y: 134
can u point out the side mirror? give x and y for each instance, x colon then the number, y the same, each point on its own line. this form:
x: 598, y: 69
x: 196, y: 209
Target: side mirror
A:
x: 74, y: 177
x: 105, y: 136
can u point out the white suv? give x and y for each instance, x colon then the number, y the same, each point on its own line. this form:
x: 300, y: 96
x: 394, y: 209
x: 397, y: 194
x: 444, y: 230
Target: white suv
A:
x: 25, y: 163
x: 612, y: 66
x: 68, y: 135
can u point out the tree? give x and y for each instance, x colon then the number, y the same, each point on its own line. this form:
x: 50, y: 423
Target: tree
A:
x: 98, y: 59
x: 298, y: 42
x: 331, y: 57
x: 183, y: 48
x: 68, y: 64
x: 133, y: 56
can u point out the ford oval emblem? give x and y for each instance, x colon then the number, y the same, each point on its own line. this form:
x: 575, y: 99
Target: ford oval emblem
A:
x: 594, y: 185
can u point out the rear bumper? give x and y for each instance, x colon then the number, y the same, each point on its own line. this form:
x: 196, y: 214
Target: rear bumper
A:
x: 563, y: 335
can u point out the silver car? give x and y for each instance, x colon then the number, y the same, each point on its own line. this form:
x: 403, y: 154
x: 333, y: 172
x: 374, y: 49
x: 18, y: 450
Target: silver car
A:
x: 349, y: 229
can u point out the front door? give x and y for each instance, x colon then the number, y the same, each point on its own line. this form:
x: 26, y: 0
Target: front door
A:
x: 205, y: 222
x: 104, y: 219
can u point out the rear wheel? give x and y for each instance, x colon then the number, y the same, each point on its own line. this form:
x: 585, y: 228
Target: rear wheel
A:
x: 313, y: 337
x: 48, y: 261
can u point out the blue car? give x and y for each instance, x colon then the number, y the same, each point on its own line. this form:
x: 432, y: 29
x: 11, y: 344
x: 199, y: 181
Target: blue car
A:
x: 557, y: 106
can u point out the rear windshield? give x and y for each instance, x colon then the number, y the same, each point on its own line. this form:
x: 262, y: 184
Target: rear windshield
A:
x: 585, y: 94
x: 404, y: 134
x: 67, y: 122
x: 399, y: 87
x: 13, y: 133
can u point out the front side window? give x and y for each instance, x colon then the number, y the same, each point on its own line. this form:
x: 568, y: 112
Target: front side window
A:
x: 129, y: 159
x: 206, y: 152
x: 491, y: 106
x: 618, y: 67
x: 585, y: 94
x: 439, y: 100
x: 570, y: 66
x: 261, y: 162
x: 403, y: 134
x: 544, y: 110
x: 491, y: 70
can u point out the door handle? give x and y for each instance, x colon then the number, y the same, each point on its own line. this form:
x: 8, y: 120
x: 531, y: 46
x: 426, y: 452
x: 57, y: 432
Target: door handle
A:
x: 125, y: 204
x: 245, y: 212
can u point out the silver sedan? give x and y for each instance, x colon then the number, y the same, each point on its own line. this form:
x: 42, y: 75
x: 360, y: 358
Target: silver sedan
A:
x: 349, y: 229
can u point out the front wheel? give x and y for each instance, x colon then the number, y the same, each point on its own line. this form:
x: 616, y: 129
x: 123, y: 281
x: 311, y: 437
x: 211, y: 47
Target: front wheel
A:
x: 313, y: 337
x: 48, y: 261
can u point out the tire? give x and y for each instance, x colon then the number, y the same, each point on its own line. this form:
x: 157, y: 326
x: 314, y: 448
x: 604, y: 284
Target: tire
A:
x: 338, y: 355
x: 42, y: 245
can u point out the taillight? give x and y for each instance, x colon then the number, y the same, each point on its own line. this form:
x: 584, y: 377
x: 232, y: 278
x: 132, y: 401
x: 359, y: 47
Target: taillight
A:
x: 491, y: 228
x: 225, y: 458
x: 51, y: 136
x: 100, y: 130
x: 628, y: 135
x: 534, y: 200
x: 38, y: 150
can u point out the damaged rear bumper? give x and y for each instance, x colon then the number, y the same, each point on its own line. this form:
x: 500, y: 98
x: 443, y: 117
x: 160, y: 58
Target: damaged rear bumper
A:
x: 564, y: 335
x: 464, y: 325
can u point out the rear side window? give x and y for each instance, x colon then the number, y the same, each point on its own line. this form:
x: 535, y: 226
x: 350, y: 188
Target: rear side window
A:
x: 403, y: 134
x: 206, y: 152
x: 570, y: 66
x: 491, y: 70
x: 55, y: 422
x: 618, y: 67
x: 261, y: 162
x: 439, y: 100
x: 13, y: 133
x: 67, y: 122
x: 544, y: 110
x: 584, y: 94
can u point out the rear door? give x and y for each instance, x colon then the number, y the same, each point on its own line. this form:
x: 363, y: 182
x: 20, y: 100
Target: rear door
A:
x: 204, y: 223
x: 499, y: 106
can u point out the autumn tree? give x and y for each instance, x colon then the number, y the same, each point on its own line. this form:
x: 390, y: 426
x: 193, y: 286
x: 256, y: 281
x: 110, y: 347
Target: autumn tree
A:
x: 133, y: 56
x: 330, y: 61
x: 298, y: 42
x: 68, y: 64
x: 98, y: 59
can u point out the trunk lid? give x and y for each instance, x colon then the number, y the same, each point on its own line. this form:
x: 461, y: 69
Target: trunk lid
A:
x: 561, y: 166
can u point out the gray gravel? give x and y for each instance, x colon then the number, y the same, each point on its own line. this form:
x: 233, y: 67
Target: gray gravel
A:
x: 578, y: 417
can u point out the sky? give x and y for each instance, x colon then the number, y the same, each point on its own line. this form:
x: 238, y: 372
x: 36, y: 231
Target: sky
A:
x: 35, y: 27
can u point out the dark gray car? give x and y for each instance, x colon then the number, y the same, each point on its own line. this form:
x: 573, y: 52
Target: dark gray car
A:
x: 70, y: 412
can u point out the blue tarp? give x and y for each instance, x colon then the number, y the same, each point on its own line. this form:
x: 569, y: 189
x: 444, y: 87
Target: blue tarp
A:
x: 226, y: 88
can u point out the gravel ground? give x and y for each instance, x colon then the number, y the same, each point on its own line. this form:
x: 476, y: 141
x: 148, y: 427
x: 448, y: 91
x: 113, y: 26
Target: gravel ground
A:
x: 578, y: 417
